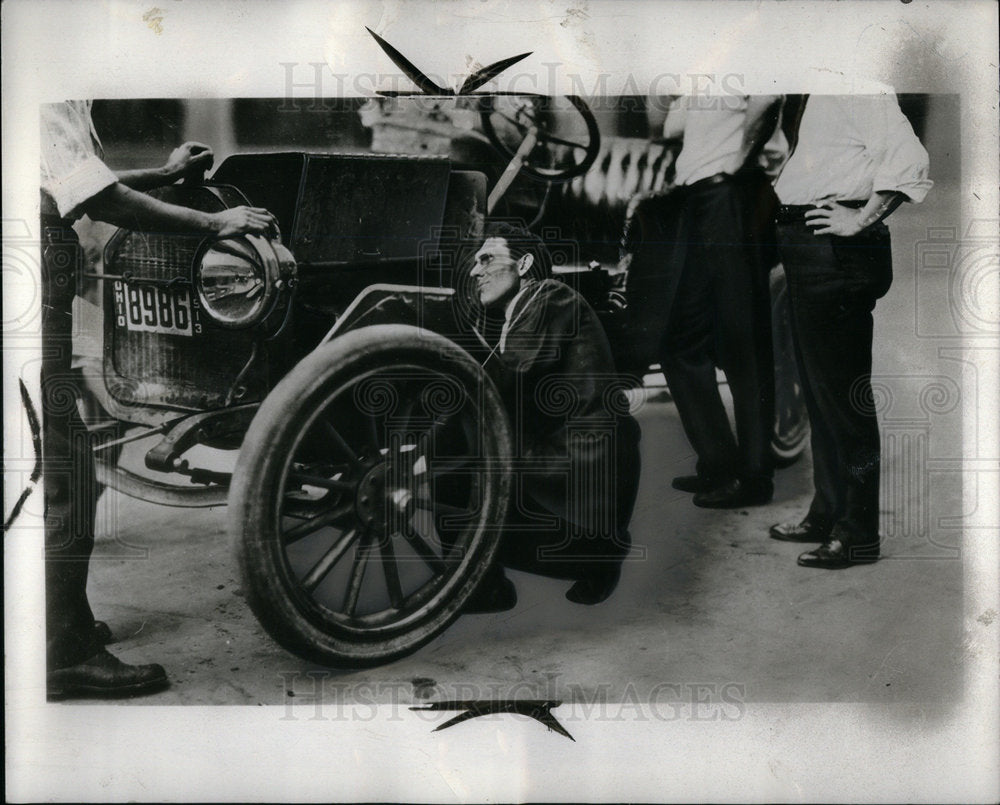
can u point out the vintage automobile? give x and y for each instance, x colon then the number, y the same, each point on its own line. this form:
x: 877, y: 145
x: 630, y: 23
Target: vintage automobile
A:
x: 340, y: 364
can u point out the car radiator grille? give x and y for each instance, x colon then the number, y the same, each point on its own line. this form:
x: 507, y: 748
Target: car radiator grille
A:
x: 187, y: 368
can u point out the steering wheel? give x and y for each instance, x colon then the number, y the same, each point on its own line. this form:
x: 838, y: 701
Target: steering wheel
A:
x: 541, y: 163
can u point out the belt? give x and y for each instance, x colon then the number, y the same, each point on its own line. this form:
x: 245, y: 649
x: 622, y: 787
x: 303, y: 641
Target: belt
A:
x: 795, y: 213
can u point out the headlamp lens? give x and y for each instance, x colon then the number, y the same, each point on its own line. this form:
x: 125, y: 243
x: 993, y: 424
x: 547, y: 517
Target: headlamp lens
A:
x: 232, y: 283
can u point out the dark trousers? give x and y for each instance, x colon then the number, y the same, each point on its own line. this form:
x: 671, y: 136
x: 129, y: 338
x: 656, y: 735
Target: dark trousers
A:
x: 833, y: 284
x: 720, y: 316
x: 550, y: 540
x: 542, y: 538
x: 68, y: 472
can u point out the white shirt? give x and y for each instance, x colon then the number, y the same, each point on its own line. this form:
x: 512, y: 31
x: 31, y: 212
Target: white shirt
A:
x: 851, y: 146
x: 713, y: 139
x: 72, y: 169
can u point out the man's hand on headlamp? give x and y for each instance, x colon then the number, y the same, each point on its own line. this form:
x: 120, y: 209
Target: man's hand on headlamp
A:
x: 242, y: 220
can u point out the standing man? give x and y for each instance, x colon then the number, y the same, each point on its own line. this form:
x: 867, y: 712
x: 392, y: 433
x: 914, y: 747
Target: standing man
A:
x: 720, y: 311
x: 579, y: 446
x: 75, y: 181
x: 855, y: 161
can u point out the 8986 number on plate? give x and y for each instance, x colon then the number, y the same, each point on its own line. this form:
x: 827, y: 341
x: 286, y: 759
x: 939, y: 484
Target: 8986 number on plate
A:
x: 150, y: 309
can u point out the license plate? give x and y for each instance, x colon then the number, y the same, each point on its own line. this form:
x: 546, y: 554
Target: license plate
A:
x: 150, y: 309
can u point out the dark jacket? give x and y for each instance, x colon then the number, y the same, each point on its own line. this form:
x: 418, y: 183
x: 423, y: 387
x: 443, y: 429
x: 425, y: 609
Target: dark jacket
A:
x: 576, y: 443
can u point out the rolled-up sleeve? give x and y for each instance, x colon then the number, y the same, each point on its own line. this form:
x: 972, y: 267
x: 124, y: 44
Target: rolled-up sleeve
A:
x: 902, y: 163
x: 72, y: 172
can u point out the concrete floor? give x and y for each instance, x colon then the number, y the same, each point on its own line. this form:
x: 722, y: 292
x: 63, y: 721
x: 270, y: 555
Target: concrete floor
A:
x: 713, y: 603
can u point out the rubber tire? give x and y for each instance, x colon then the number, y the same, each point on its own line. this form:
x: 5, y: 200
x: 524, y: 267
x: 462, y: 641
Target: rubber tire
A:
x: 261, y: 466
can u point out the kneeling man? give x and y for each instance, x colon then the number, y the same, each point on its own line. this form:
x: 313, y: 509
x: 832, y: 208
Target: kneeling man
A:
x: 576, y: 445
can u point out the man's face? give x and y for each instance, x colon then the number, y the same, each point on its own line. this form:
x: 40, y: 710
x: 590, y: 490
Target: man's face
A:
x: 496, y: 273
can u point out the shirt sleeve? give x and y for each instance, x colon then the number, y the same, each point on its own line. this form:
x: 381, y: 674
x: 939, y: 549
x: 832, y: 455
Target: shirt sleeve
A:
x: 72, y: 172
x: 901, y: 162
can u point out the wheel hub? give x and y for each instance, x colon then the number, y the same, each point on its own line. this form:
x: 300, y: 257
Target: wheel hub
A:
x: 379, y: 501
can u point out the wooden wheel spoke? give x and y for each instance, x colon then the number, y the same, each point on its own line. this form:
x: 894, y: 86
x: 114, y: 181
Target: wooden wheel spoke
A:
x: 339, y: 442
x: 319, y: 571
x: 391, y: 571
x: 357, y: 574
x: 423, y: 550
x: 426, y: 439
x: 423, y: 442
x: 320, y: 481
x: 441, y: 508
x: 313, y: 524
x: 326, y: 469
x: 372, y: 434
x: 298, y: 508
x: 407, y: 416
x: 449, y: 467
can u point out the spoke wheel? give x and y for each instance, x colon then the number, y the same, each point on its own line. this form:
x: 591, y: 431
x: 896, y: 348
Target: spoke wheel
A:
x: 507, y: 119
x: 791, y: 420
x: 369, y: 494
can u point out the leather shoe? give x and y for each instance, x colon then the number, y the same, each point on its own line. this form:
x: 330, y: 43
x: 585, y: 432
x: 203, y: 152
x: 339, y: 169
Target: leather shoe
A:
x: 497, y: 595
x: 735, y: 494
x: 104, y: 675
x: 835, y: 553
x: 596, y: 587
x: 691, y: 483
x: 806, y: 531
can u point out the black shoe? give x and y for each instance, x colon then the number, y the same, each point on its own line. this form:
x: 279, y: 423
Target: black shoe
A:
x: 103, y: 634
x: 835, y: 553
x: 497, y: 595
x: 106, y: 676
x: 735, y: 494
x: 806, y: 531
x: 597, y: 587
x: 692, y: 483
